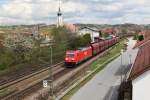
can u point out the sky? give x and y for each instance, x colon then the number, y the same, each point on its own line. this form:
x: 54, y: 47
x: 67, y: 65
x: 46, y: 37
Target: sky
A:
x: 15, y: 12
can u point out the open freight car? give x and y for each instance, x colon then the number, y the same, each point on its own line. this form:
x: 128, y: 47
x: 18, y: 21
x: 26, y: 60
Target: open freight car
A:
x: 81, y: 54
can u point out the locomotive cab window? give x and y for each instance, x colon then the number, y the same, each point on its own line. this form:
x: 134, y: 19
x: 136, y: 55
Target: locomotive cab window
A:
x: 70, y: 55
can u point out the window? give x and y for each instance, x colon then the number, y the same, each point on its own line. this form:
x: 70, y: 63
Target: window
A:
x: 70, y: 55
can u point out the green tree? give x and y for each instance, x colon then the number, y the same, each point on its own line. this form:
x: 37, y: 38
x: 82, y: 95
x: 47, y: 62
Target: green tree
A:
x: 38, y: 52
x: 75, y: 43
x: 140, y: 37
x: 62, y: 34
x: 63, y: 39
x: 6, y: 58
x: 135, y: 37
x: 105, y: 35
x: 80, y: 41
x: 87, y: 39
x: 100, y: 33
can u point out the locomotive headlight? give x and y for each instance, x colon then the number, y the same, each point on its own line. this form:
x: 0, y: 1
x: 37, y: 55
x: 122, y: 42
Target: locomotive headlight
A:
x: 72, y: 59
x: 66, y: 58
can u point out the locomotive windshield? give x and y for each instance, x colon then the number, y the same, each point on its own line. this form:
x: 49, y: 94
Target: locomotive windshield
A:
x: 70, y: 55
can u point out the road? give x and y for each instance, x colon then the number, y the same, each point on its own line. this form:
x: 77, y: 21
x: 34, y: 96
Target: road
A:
x: 104, y: 85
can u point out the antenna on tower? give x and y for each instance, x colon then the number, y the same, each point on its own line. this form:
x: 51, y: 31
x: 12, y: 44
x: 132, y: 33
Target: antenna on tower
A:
x: 59, y: 4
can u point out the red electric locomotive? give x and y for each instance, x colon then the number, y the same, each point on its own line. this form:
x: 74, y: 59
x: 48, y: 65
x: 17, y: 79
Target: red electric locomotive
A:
x: 77, y: 56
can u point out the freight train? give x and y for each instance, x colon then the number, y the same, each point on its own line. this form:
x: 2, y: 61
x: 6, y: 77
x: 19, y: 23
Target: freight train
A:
x: 79, y: 55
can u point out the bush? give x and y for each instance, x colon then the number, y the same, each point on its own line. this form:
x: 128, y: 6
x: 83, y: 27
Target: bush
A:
x: 135, y: 37
x: 86, y: 39
x: 105, y: 35
x: 140, y: 37
x: 6, y: 59
x: 63, y: 39
x: 80, y: 41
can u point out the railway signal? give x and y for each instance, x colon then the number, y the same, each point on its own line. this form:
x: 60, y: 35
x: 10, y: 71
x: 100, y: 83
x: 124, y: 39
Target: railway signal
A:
x: 45, y: 83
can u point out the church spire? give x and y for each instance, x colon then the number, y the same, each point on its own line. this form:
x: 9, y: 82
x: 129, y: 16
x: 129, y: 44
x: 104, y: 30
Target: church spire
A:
x: 59, y: 16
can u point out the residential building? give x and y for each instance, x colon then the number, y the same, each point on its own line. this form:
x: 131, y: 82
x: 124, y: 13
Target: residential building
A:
x: 71, y: 27
x: 110, y: 31
x: 137, y: 83
x: 140, y: 73
x: 92, y: 31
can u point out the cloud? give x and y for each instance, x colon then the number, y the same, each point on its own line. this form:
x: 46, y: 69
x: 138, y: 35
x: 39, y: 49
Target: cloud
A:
x: 84, y: 11
x: 73, y: 7
x: 33, y: 11
x: 15, y: 11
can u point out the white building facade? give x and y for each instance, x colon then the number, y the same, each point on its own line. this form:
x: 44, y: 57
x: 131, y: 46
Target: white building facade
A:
x: 140, y: 72
x: 86, y: 30
x: 141, y: 87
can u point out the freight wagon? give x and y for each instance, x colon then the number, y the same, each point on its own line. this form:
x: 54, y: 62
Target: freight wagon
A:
x: 79, y: 55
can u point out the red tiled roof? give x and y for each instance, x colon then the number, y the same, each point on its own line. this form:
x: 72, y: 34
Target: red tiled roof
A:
x: 26, y: 33
x: 109, y: 30
x: 145, y: 33
x: 142, y: 62
x: 139, y: 43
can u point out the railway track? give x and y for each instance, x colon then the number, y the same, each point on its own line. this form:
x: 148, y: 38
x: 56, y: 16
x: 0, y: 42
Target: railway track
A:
x: 23, y: 71
x: 34, y: 88
x: 62, y: 81
x: 12, y: 78
x: 63, y: 78
x: 27, y: 81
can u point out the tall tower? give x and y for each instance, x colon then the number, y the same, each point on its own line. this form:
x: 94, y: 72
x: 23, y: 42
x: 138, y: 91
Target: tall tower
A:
x: 59, y: 16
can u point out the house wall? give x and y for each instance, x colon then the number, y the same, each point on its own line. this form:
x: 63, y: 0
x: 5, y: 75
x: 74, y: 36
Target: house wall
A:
x: 92, y: 33
x: 141, y: 87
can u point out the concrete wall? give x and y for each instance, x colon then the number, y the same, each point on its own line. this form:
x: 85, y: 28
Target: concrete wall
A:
x: 141, y: 87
